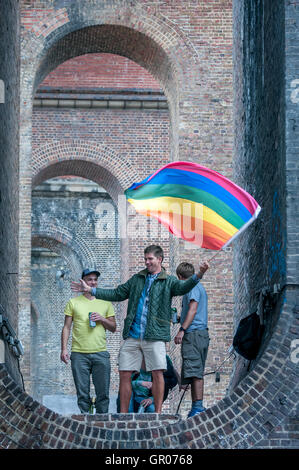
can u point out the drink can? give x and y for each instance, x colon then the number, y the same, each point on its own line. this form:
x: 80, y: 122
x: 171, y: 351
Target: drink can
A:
x: 174, y: 315
x: 92, y: 323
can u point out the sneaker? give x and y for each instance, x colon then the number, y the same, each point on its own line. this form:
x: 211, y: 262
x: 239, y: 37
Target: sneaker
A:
x: 195, y: 411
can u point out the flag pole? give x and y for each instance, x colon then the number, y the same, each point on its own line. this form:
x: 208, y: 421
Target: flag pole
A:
x: 217, y: 252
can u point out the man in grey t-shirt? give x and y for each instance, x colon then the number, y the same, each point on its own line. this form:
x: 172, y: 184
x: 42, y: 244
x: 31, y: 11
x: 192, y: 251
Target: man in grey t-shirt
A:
x: 194, y: 337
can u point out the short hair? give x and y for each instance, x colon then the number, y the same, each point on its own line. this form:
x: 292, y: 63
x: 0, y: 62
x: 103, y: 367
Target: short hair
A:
x: 156, y: 250
x: 185, y: 270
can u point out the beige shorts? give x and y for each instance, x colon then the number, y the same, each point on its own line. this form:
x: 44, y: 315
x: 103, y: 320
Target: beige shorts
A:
x: 133, y: 350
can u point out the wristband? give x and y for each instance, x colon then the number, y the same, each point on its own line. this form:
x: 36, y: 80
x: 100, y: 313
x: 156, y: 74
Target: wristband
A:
x: 182, y: 329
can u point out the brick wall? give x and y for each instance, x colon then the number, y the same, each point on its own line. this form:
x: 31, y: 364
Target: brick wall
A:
x: 260, y: 411
x: 260, y: 260
x: 292, y: 139
x: 100, y: 71
x: 9, y: 175
x: 123, y: 132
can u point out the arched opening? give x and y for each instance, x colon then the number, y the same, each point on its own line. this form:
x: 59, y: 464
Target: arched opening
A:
x: 168, y: 62
x: 75, y: 141
x: 122, y: 41
x: 74, y: 226
x: 58, y: 47
x: 65, y: 143
x: 46, y: 163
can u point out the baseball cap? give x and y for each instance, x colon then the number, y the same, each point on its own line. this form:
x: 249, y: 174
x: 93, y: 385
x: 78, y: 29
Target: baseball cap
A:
x: 90, y: 271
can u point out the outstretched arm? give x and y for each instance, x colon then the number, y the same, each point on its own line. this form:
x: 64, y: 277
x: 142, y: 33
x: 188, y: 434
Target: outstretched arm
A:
x: 118, y: 294
x: 80, y: 286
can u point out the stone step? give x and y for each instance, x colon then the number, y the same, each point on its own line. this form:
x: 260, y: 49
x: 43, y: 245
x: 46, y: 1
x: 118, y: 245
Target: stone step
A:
x: 128, y: 420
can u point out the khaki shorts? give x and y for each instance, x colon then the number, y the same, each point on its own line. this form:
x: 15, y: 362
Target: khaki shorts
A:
x: 194, y: 354
x: 132, y: 351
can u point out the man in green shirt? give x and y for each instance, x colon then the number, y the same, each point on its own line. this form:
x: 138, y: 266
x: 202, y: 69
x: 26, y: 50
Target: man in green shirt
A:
x: 89, y: 354
x: 147, y: 324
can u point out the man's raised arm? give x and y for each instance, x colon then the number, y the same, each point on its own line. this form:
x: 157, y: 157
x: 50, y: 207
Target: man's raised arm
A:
x: 183, y: 287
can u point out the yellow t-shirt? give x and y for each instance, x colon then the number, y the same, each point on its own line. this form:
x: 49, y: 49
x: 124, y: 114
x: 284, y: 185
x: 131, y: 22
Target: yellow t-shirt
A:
x: 84, y: 338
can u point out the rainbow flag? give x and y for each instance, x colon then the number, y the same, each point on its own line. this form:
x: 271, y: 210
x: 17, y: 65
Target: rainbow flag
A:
x: 195, y: 203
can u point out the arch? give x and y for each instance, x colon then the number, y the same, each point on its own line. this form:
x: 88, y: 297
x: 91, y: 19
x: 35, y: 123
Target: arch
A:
x: 141, y: 47
x: 117, y: 39
x: 118, y: 21
x: 62, y: 244
x: 60, y: 239
x: 91, y: 161
x: 88, y: 160
x: 159, y: 42
x: 162, y: 48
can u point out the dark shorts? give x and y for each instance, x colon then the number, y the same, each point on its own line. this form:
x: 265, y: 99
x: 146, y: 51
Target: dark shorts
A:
x: 194, y: 354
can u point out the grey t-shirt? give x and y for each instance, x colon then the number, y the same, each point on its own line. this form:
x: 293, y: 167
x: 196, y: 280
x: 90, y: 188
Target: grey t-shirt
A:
x: 200, y: 321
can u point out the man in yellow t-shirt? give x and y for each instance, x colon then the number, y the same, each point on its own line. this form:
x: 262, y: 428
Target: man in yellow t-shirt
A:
x: 89, y: 354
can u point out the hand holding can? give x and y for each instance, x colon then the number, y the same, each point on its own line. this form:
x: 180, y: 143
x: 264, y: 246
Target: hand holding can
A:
x: 174, y: 312
x: 92, y: 323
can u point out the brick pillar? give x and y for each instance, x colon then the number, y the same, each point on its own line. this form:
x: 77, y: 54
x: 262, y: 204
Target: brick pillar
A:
x: 9, y: 154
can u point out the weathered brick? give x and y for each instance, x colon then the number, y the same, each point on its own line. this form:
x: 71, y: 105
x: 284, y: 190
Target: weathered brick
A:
x: 191, y: 59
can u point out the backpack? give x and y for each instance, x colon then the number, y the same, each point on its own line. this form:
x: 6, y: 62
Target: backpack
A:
x: 247, y: 339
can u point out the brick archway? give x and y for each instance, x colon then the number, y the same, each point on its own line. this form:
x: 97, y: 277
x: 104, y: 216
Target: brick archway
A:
x: 149, y: 38
x: 48, y: 377
x: 46, y: 42
x: 88, y: 160
x: 61, y: 243
x: 93, y: 162
x: 138, y: 33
